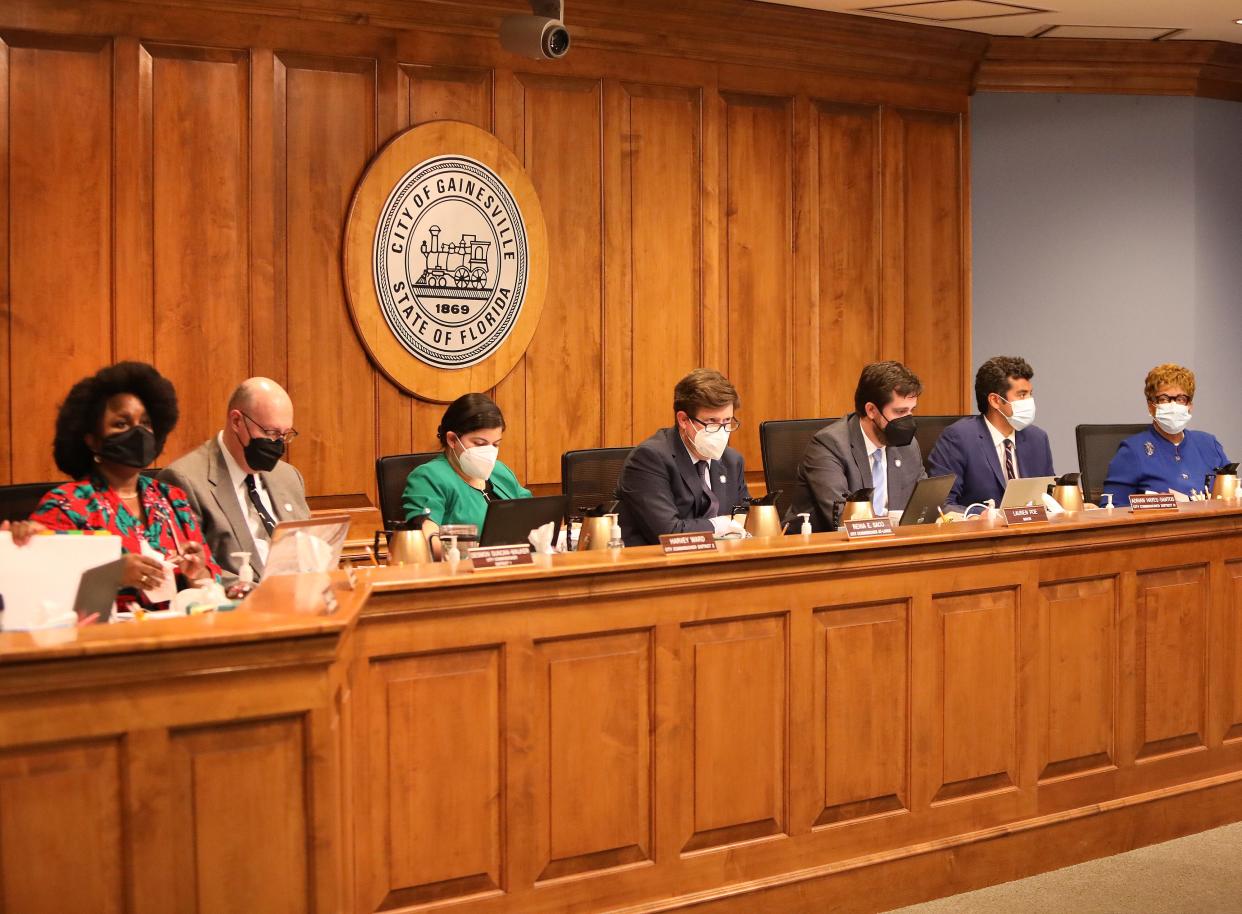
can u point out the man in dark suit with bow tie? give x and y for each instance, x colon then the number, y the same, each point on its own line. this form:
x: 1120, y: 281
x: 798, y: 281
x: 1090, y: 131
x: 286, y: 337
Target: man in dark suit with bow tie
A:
x: 686, y: 478
x: 999, y: 444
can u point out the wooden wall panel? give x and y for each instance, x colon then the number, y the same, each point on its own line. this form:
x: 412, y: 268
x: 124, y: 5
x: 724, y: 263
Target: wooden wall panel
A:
x: 563, y: 157
x: 662, y: 187
x: 594, y: 775
x: 862, y: 710
x: 933, y: 286
x: 782, y: 225
x: 1080, y: 648
x: 849, y: 247
x: 978, y: 642
x: 197, y: 102
x: 759, y: 238
x: 63, y: 804
x: 326, y: 123
x: 59, y: 218
x: 243, y: 816
x: 739, y: 749
x: 1172, y: 617
x: 441, y: 763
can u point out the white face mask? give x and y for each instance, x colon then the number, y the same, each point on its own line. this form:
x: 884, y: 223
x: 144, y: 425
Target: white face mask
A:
x: 1172, y: 417
x: 1023, y: 413
x: 478, y: 462
x: 711, y: 445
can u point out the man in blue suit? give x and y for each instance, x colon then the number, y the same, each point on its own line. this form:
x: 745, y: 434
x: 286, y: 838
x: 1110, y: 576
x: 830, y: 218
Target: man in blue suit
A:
x: 985, y: 451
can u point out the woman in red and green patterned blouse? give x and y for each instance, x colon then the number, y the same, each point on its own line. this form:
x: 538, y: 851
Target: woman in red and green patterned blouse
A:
x: 111, y: 426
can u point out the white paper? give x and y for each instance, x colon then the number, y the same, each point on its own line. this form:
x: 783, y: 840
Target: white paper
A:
x: 39, y: 580
x: 167, y: 588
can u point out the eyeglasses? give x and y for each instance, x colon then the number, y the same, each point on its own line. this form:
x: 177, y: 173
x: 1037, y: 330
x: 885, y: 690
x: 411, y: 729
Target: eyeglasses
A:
x: 273, y: 433
x: 1165, y: 400
x: 729, y: 425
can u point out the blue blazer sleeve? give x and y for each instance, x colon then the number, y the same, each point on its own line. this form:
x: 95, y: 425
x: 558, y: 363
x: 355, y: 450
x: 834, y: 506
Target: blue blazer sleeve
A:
x: 948, y: 456
x: 1045, y: 454
x: 1123, y: 474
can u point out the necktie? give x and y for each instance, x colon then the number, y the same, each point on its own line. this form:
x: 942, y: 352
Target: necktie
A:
x: 1009, y: 472
x: 879, y: 474
x: 253, y: 491
x: 713, y: 502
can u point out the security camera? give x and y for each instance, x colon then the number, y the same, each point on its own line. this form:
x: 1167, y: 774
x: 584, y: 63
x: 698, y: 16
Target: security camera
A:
x: 541, y: 36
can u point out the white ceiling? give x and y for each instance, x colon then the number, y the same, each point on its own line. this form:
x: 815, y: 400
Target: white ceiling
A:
x: 1143, y: 19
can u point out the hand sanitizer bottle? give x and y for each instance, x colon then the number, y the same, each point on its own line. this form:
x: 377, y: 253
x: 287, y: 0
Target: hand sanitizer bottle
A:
x: 245, y: 574
x: 614, y: 534
x: 806, y: 523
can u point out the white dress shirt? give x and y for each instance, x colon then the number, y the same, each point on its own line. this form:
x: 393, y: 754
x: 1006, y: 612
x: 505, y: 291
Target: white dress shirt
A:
x: 998, y: 442
x: 237, y: 476
x: 872, y: 447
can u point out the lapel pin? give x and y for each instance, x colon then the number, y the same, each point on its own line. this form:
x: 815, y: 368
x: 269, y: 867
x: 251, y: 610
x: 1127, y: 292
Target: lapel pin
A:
x: 722, y: 479
x: 897, y: 462
x: 288, y: 507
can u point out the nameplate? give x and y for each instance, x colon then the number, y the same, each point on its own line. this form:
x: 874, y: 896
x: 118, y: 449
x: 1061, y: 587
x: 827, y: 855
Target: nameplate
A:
x: 678, y: 543
x: 1162, y: 502
x: 500, y: 556
x: 865, y: 529
x: 1030, y: 514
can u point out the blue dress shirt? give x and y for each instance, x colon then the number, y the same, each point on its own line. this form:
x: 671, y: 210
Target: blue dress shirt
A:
x: 1148, y: 460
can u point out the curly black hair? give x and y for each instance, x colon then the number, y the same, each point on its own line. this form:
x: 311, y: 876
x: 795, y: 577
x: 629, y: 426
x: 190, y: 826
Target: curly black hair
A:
x: 996, y: 375
x: 83, y: 409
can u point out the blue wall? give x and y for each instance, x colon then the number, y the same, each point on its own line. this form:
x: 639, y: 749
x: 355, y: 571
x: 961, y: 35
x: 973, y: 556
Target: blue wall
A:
x: 1107, y: 237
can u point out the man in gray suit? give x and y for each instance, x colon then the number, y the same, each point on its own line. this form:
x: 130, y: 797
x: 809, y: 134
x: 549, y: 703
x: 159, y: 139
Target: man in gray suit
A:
x: 236, y: 481
x: 873, y: 447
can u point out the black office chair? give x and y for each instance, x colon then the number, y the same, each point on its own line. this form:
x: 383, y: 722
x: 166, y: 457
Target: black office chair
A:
x: 589, y: 477
x: 390, y: 476
x: 1096, y: 446
x: 782, y: 442
x: 929, y: 431
x: 18, y: 501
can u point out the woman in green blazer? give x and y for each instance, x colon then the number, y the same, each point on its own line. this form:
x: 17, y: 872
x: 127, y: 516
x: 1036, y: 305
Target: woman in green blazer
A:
x: 455, y: 487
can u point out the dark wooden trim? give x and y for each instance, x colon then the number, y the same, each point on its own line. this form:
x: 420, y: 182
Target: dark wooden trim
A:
x: 1208, y: 69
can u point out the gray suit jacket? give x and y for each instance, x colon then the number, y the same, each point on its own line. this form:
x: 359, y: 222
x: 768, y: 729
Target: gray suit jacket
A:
x: 835, y: 464
x: 204, y: 476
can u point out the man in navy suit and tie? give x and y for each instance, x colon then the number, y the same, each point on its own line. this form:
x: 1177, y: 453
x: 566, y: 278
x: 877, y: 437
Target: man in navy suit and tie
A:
x: 686, y: 478
x: 999, y: 444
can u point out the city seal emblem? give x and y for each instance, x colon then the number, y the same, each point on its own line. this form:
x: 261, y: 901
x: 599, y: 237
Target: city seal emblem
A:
x: 445, y: 260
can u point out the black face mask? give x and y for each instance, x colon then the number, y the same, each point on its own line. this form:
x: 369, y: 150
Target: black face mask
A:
x: 134, y: 447
x: 262, y: 454
x: 900, y: 432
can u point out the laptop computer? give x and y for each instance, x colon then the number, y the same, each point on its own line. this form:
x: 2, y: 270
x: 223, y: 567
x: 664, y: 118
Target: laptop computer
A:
x: 1021, y: 492
x: 928, y: 497
x: 509, y: 521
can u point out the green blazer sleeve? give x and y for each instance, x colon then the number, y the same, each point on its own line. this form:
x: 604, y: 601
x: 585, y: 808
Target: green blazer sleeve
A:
x: 424, y: 495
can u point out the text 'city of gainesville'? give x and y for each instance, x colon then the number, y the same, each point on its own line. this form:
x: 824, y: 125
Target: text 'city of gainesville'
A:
x: 453, y: 187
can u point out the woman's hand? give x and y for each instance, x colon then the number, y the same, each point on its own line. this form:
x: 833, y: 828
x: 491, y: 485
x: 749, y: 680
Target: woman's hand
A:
x: 22, y: 530
x: 239, y: 590
x: 192, y: 562
x: 140, y: 572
